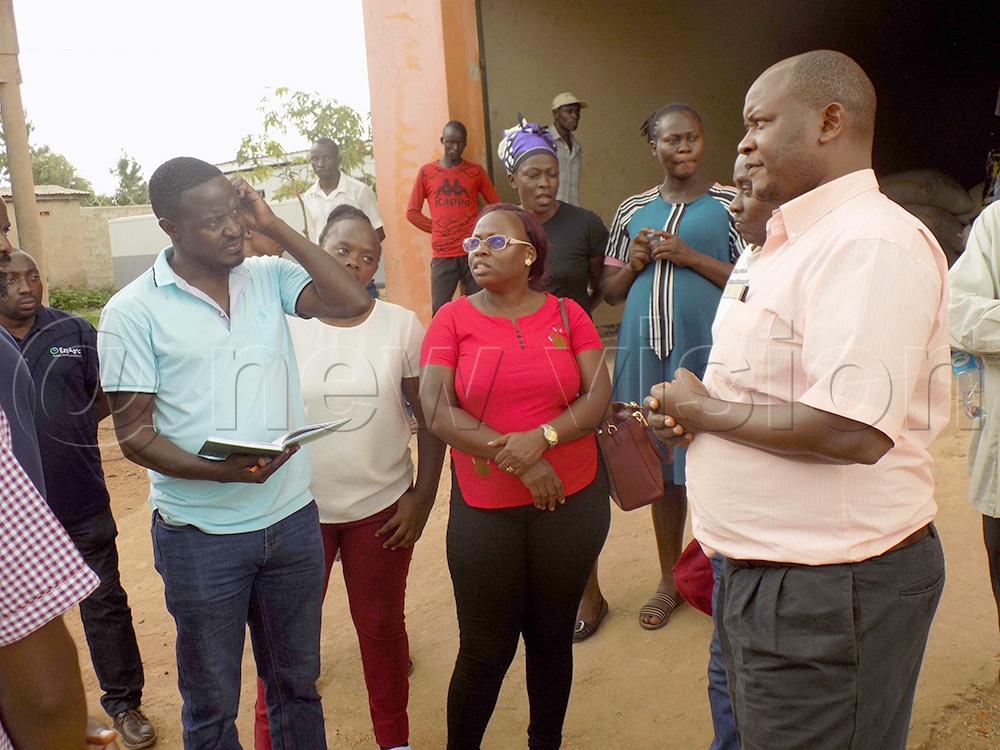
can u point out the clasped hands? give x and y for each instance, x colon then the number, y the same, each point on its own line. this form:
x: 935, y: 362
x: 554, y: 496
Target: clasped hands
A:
x: 658, y: 244
x: 520, y: 454
x: 676, y: 408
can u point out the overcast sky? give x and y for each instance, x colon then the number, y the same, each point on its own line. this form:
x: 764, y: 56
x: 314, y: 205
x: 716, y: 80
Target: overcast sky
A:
x: 177, y: 78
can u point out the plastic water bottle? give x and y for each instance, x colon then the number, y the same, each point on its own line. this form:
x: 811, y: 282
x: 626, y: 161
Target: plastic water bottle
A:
x: 968, y: 371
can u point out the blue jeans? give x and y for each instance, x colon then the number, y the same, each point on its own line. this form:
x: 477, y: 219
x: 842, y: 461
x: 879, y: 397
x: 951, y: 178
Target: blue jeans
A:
x: 216, y: 585
x: 718, y: 690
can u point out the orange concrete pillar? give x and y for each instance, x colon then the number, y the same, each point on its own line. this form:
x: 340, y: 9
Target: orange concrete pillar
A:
x: 423, y: 70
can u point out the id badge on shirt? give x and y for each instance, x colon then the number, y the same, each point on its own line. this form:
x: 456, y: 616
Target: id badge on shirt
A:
x: 736, y: 291
x: 738, y: 285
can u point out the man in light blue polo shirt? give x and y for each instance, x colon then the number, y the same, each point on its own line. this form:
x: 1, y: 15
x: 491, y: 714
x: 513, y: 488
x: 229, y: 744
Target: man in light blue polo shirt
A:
x: 199, y: 346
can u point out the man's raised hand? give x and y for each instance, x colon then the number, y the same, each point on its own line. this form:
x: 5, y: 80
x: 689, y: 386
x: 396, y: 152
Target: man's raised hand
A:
x: 257, y: 215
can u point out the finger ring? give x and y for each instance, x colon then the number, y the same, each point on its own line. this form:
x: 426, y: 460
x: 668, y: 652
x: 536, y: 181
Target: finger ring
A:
x: 510, y: 469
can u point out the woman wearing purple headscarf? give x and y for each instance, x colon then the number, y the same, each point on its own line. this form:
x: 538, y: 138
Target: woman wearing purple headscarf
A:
x: 577, y: 237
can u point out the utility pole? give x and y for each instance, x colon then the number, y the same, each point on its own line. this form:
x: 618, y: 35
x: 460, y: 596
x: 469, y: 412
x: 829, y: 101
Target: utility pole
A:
x: 29, y: 227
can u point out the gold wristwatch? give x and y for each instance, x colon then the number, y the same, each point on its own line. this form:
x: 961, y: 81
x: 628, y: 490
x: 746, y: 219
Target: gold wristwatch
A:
x: 550, y: 435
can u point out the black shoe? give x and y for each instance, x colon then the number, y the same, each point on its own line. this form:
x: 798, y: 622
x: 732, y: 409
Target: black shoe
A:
x: 134, y: 729
x: 586, y: 628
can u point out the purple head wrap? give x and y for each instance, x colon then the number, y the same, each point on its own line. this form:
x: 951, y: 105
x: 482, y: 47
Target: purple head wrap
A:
x: 523, y: 140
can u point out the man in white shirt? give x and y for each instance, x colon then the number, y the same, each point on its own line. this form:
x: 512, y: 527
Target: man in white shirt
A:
x: 334, y: 188
x: 972, y: 319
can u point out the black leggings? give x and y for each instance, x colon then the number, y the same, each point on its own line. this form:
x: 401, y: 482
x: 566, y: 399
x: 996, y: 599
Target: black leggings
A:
x: 519, y: 571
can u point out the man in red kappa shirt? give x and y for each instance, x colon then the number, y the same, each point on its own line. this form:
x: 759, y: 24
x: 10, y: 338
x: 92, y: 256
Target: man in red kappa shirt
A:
x: 451, y: 186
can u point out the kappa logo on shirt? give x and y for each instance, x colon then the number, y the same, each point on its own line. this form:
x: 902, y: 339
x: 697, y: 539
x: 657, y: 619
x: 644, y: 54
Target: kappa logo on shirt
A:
x: 66, y: 351
x: 452, y: 187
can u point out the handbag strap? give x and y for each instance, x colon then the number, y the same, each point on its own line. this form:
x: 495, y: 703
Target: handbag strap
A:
x: 565, y: 317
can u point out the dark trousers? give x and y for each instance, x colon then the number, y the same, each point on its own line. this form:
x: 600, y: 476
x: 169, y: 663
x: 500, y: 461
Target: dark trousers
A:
x: 446, y: 274
x: 827, y: 657
x: 519, y: 571
x: 216, y: 585
x: 107, y: 619
x: 991, y: 535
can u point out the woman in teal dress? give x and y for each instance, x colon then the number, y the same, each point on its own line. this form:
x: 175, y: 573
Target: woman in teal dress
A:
x: 670, y: 253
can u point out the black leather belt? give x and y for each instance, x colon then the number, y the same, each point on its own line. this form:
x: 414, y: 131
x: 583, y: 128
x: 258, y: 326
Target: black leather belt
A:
x: 916, y: 536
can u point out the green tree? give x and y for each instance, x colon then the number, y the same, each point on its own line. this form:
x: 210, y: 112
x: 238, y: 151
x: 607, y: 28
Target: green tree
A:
x: 132, y: 187
x: 51, y: 168
x: 307, y: 116
x: 47, y: 166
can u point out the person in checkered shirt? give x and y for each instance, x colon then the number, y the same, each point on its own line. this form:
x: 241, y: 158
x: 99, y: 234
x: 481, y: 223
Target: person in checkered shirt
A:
x: 41, y: 694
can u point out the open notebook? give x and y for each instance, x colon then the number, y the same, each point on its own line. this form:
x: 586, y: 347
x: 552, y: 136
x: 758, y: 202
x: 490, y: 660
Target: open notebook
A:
x: 221, y: 448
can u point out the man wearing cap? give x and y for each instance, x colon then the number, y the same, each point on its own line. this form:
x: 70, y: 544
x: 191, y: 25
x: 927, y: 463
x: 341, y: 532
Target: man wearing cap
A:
x: 566, y: 118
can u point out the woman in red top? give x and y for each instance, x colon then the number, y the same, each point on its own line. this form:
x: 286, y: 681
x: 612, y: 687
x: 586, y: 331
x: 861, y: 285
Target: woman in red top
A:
x: 518, y: 397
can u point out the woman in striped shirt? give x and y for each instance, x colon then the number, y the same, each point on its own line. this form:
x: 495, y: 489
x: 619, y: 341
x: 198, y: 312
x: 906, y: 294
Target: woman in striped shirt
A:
x: 670, y: 252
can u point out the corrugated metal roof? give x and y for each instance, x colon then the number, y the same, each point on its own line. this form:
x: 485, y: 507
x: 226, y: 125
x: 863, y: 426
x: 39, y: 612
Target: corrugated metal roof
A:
x: 46, y: 190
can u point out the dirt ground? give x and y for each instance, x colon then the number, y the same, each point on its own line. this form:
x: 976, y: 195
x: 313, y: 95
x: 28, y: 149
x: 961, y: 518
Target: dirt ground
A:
x: 633, y: 688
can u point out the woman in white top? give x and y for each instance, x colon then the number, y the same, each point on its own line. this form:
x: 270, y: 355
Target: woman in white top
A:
x: 370, y: 508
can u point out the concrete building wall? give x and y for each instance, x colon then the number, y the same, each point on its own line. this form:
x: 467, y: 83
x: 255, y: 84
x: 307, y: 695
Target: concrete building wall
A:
x: 625, y: 59
x: 929, y: 61
x: 77, y: 241
x: 97, y: 241
x: 63, y: 242
x: 65, y: 259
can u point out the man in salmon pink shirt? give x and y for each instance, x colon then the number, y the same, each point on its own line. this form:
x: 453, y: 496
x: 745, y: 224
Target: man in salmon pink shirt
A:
x: 808, y: 468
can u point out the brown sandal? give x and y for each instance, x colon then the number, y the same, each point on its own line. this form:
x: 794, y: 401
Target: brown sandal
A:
x: 660, y: 605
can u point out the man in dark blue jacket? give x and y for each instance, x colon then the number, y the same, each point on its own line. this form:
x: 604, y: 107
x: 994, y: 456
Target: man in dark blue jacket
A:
x: 60, y: 351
